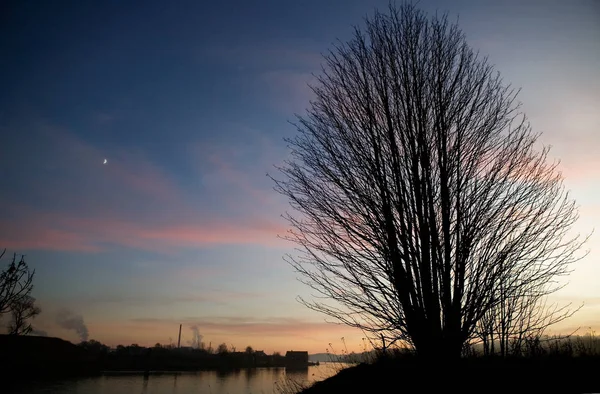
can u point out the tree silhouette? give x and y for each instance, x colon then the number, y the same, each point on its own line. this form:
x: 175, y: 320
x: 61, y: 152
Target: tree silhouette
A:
x: 222, y: 349
x: 96, y: 347
x: 422, y: 198
x: 22, y: 311
x: 16, y: 283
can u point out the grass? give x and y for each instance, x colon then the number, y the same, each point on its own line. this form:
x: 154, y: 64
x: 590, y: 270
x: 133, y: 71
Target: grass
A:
x: 551, y: 346
x: 551, y: 364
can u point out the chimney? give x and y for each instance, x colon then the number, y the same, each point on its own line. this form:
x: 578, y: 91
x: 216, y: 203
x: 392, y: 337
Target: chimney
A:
x: 179, y: 340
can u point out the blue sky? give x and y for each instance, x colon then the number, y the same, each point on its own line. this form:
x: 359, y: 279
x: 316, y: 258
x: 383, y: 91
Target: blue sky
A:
x: 189, y: 102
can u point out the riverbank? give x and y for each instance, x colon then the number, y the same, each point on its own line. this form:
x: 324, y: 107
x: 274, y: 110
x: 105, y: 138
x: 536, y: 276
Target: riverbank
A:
x: 472, y: 375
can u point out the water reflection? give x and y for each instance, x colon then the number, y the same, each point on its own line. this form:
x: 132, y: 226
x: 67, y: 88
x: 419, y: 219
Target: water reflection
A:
x: 251, y: 373
x: 297, y: 374
x: 245, y: 381
x: 145, y: 384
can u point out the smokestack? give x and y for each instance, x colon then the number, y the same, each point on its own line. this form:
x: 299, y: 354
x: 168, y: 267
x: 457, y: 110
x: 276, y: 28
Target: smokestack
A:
x: 179, y: 340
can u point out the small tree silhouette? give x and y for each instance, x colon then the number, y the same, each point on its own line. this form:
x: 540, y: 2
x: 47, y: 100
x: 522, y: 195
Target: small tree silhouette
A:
x: 16, y: 281
x: 222, y: 349
x: 23, y: 310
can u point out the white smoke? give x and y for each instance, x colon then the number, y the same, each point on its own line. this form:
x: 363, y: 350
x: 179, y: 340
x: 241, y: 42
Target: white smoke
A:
x: 196, y: 337
x: 72, y: 321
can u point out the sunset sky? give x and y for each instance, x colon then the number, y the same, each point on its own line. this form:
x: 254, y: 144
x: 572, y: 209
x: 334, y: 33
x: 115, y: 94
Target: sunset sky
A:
x: 189, y: 102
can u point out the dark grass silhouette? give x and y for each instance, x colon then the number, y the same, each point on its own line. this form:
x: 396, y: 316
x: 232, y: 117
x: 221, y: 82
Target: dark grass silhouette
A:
x: 412, y: 374
x: 556, y: 364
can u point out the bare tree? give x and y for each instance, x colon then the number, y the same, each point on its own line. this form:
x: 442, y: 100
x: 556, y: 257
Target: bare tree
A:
x: 16, y: 283
x: 420, y: 192
x: 518, y: 320
x: 22, y: 311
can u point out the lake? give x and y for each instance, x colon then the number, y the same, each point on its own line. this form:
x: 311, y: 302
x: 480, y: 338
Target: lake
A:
x: 244, y: 381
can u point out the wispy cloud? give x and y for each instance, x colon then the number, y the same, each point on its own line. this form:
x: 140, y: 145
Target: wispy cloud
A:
x: 281, y: 74
x: 131, y: 201
x: 156, y: 299
x: 289, y: 90
x: 103, y: 118
x: 264, y: 332
x: 275, y: 326
x: 266, y: 57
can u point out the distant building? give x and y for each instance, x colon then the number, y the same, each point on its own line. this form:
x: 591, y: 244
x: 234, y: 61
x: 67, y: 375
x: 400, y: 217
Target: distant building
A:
x: 296, y: 359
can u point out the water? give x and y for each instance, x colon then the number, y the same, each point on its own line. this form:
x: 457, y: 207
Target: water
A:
x: 244, y: 381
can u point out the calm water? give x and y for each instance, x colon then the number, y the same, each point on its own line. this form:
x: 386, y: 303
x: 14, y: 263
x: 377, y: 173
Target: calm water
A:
x: 245, y: 381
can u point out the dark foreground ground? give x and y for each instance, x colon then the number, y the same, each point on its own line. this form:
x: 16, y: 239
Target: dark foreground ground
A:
x: 23, y: 357
x: 476, y: 375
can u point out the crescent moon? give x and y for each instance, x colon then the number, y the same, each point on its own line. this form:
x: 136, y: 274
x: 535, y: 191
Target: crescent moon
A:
x: 105, y: 161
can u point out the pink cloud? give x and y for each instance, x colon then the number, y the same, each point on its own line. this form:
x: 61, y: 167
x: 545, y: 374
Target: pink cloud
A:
x: 571, y: 128
x: 218, y: 233
x: 60, y: 232
x: 580, y: 168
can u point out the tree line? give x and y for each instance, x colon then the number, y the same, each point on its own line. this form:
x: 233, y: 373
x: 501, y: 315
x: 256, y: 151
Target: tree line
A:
x: 170, y: 357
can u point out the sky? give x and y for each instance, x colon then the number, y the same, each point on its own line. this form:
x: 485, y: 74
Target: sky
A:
x: 189, y: 103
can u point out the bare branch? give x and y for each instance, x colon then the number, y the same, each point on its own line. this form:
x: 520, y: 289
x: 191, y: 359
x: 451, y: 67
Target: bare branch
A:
x: 16, y: 282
